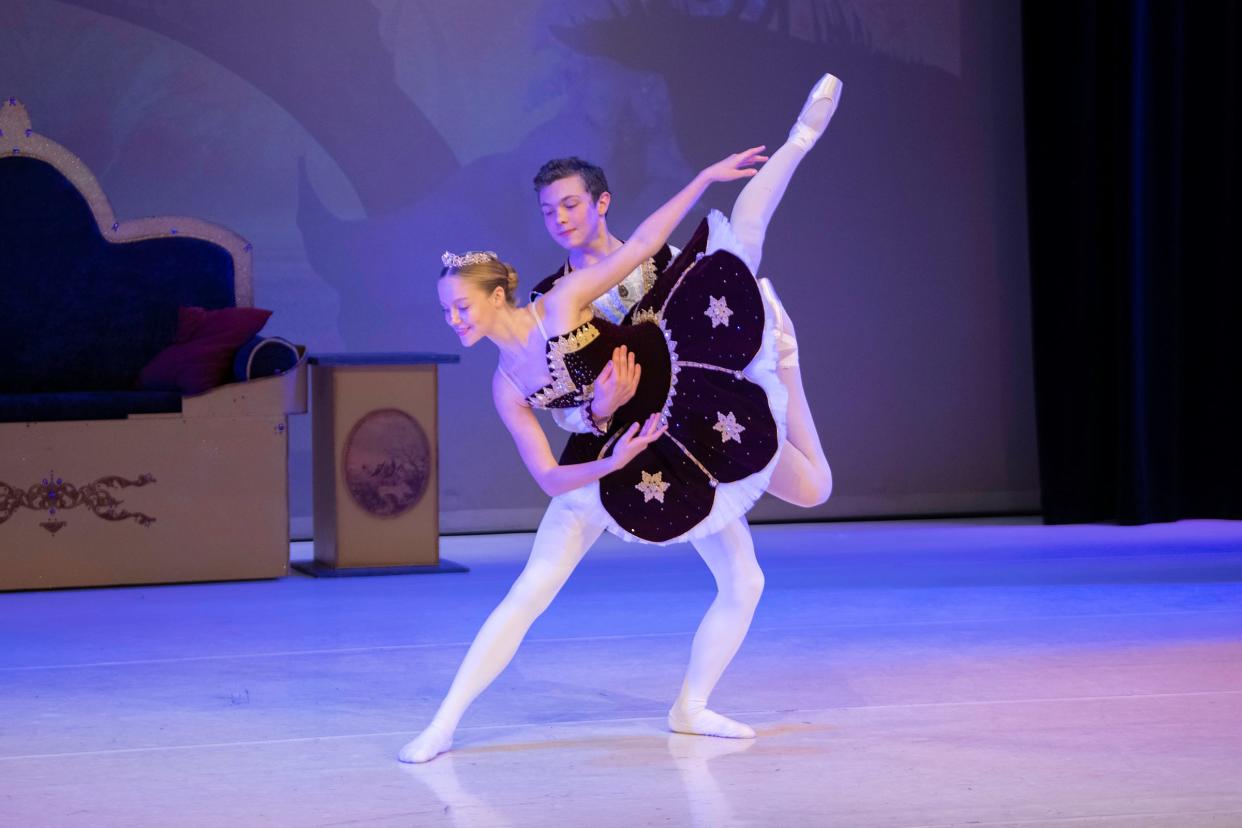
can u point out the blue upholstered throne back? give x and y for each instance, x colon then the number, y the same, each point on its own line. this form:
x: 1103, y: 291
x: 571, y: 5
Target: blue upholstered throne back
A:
x: 80, y: 313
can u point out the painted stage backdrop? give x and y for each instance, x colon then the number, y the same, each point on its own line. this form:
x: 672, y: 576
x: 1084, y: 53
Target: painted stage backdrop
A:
x: 352, y: 141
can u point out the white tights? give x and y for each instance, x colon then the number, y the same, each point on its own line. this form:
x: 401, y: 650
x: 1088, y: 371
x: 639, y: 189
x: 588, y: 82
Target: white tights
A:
x: 564, y: 536
x: 730, y: 555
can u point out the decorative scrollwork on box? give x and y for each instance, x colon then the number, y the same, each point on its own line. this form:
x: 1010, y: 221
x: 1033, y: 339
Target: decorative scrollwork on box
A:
x: 54, y: 496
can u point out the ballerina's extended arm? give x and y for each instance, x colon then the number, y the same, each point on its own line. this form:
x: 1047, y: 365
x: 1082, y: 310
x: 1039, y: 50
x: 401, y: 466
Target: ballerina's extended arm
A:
x: 575, y: 291
x: 536, y: 453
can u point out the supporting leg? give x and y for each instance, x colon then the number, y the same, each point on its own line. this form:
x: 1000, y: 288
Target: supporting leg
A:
x: 562, y: 539
x: 730, y: 555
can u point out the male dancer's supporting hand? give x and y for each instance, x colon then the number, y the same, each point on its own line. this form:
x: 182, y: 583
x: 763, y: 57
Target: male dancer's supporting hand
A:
x: 615, y: 386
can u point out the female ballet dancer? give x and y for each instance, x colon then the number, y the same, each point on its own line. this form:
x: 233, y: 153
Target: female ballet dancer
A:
x: 690, y: 471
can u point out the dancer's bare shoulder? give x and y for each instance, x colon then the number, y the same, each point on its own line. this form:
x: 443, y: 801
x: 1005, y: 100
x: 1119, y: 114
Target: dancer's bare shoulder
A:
x: 563, y: 312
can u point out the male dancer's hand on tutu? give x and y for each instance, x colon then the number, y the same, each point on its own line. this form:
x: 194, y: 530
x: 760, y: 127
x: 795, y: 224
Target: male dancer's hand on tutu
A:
x: 615, y: 385
x: 634, y: 440
x: 738, y: 165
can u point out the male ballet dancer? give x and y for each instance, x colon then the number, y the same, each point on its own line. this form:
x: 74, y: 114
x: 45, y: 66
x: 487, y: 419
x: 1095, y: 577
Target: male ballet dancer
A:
x: 574, y: 199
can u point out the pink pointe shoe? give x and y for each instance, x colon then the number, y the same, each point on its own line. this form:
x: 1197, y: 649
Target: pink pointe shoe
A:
x: 816, y: 112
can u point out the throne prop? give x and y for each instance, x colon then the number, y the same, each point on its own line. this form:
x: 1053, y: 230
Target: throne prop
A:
x: 103, y: 481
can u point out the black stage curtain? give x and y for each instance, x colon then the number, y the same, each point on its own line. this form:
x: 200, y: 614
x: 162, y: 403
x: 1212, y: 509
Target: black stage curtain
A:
x: 1132, y: 145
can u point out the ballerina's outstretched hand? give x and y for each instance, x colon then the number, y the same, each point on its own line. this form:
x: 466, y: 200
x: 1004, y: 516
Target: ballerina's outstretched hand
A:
x: 738, y: 165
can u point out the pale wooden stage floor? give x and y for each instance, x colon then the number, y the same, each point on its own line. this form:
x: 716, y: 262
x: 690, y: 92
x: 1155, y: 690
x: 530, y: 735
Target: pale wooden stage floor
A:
x: 899, y: 675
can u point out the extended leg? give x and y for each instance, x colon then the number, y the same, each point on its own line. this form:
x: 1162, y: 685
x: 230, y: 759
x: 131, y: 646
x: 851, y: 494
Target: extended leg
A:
x: 563, y: 538
x: 730, y: 555
x: 755, y: 204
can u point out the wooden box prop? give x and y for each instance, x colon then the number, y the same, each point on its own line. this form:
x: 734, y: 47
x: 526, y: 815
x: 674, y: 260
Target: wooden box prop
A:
x: 376, y: 463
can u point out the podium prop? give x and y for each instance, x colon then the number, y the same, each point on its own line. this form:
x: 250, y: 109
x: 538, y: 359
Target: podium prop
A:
x: 375, y: 465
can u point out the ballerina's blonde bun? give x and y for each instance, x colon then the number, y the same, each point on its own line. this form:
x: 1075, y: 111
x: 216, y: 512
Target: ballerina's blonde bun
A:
x: 484, y: 269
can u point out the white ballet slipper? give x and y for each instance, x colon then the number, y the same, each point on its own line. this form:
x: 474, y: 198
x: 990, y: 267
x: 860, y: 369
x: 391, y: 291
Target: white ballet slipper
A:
x: 695, y: 719
x: 427, y: 746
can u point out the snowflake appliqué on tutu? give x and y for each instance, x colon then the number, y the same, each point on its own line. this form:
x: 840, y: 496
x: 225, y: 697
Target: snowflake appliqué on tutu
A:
x: 718, y: 311
x: 728, y: 427
x: 653, y: 486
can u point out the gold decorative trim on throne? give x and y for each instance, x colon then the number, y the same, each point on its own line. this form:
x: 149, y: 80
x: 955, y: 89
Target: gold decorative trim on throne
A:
x: 18, y: 139
x: 55, y: 495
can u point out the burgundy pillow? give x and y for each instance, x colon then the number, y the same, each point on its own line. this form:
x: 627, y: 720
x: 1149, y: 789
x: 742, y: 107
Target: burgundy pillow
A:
x: 201, y: 357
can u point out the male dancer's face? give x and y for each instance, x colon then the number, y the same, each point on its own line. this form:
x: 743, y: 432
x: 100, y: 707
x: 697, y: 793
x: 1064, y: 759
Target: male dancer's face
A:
x: 573, y: 219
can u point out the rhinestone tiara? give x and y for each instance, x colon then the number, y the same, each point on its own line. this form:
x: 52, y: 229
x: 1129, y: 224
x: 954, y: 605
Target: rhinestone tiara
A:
x: 454, y: 261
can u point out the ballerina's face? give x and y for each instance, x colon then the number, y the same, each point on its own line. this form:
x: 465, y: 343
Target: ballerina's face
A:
x: 468, y: 309
x: 570, y: 215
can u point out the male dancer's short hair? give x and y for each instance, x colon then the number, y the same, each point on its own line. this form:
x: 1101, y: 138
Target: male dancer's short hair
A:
x: 558, y: 168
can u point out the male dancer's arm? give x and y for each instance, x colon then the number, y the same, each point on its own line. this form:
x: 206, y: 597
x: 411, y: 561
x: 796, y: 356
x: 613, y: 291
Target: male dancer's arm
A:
x: 592, y: 417
x: 614, y: 387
